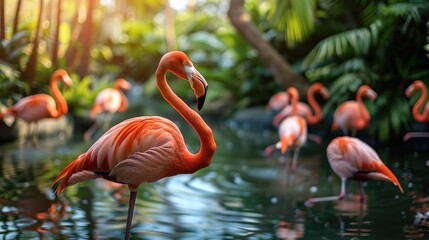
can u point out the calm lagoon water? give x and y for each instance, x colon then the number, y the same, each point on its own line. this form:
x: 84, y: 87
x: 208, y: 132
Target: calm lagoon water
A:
x: 241, y: 195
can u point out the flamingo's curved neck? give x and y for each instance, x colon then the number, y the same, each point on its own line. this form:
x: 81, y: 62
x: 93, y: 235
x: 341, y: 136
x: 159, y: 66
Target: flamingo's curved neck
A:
x: 124, y: 101
x: 294, y: 102
x: 203, y: 157
x: 416, y: 111
x: 62, y: 104
x: 317, y: 114
x: 362, y: 108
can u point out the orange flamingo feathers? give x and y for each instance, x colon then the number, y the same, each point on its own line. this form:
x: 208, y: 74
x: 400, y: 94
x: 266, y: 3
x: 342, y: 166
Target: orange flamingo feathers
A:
x: 420, y: 110
x: 146, y: 149
x: 353, y: 115
x: 108, y: 101
x: 351, y: 158
x: 39, y: 106
x: 311, y: 116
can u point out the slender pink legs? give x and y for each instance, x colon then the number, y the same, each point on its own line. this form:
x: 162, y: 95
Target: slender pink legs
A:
x: 311, y: 201
x: 133, y: 196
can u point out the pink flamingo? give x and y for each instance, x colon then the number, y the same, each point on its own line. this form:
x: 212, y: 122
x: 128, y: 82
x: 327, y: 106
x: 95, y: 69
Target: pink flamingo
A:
x: 351, y: 158
x: 303, y: 109
x: 292, y: 131
x: 420, y: 109
x: 278, y: 101
x: 146, y: 149
x: 109, y: 101
x: 39, y: 106
x: 353, y: 115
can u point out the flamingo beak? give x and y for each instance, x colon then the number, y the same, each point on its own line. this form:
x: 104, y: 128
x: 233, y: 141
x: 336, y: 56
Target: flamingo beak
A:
x: 200, y: 100
x: 67, y: 81
x: 409, y: 91
x: 198, y: 83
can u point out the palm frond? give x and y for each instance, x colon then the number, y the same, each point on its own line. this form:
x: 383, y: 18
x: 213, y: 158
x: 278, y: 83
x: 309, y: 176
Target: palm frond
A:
x: 295, y: 18
x: 355, y: 42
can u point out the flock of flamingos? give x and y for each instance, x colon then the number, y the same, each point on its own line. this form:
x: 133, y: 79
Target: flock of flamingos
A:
x: 148, y: 148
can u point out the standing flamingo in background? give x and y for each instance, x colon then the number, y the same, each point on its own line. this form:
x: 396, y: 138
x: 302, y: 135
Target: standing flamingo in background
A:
x: 108, y: 101
x: 292, y: 131
x: 419, y: 106
x: 147, y: 149
x: 278, y: 101
x: 303, y: 109
x: 350, y: 158
x: 39, y: 106
x: 353, y: 115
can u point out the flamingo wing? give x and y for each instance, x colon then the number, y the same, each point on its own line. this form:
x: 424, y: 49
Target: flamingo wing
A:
x: 136, y: 150
x: 35, y: 107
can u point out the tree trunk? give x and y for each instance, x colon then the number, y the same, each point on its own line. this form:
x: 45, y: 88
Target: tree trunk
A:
x: 56, y: 42
x: 85, y: 38
x: 71, y: 54
x: 2, y: 30
x: 282, y: 71
x: 169, y: 28
x: 30, y: 71
x: 16, y: 17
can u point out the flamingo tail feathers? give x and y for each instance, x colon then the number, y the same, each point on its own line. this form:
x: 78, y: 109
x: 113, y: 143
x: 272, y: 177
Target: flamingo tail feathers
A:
x: 75, y: 172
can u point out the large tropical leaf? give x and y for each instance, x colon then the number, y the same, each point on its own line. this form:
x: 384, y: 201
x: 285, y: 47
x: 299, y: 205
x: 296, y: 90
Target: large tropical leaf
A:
x: 355, y: 42
x: 295, y: 18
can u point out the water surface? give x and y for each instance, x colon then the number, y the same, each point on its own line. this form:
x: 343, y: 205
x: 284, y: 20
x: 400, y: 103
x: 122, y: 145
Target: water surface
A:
x: 241, y: 195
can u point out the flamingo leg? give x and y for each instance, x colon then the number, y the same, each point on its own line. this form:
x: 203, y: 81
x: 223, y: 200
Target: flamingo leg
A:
x: 34, y: 135
x: 133, y: 196
x: 410, y: 135
x: 107, y: 121
x: 295, y: 160
x: 91, y: 130
x: 362, y: 192
x: 342, y: 194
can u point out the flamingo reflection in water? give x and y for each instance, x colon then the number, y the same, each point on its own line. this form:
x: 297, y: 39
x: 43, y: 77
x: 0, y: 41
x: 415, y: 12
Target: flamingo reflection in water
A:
x: 351, y: 158
x: 146, y: 149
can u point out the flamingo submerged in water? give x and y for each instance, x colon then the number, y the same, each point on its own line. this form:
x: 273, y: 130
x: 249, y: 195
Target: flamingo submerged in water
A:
x: 351, y: 158
x: 39, y: 106
x: 292, y: 131
x: 304, y: 110
x: 109, y: 101
x: 353, y: 115
x: 146, y: 149
x: 420, y: 109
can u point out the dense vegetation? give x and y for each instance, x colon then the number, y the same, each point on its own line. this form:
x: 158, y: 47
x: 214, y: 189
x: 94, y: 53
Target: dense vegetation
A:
x: 343, y: 44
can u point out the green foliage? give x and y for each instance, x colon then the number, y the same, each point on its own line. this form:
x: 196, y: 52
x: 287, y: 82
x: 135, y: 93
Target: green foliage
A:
x: 81, y: 96
x: 10, y: 84
x: 294, y: 18
x: 383, y: 54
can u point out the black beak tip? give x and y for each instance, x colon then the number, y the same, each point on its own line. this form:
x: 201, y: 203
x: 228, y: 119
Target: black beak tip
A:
x: 200, y: 100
